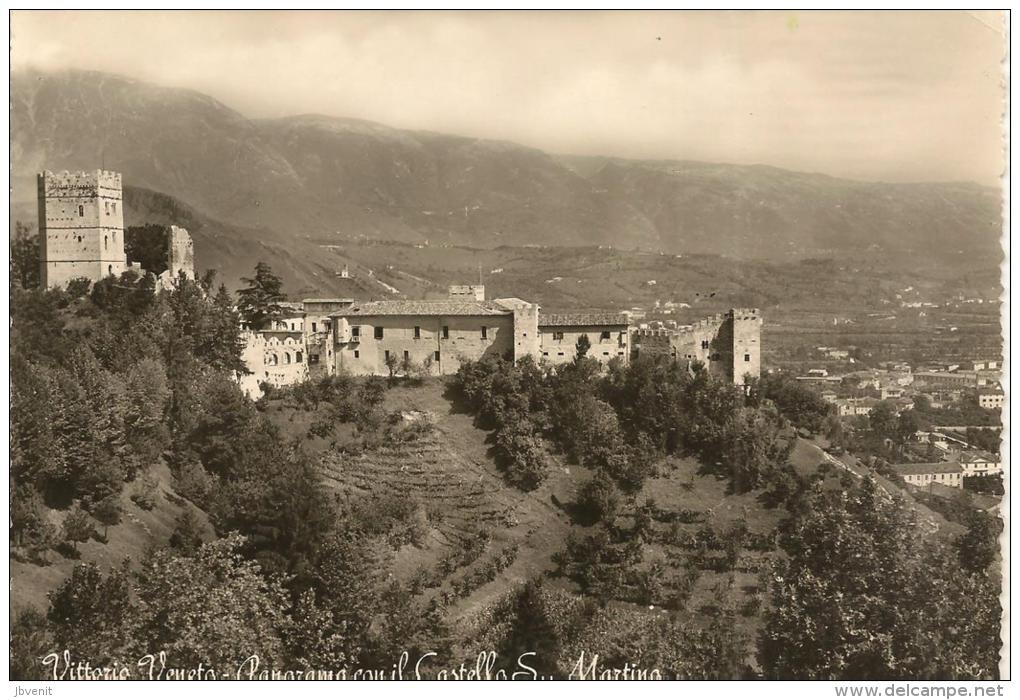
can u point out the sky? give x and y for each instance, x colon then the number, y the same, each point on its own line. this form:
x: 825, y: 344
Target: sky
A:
x: 897, y: 96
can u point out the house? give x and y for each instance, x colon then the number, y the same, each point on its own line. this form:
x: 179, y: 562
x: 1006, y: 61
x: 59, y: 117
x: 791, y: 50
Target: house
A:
x: 922, y: 475
x: 991, y: 399
x: 979, y: 463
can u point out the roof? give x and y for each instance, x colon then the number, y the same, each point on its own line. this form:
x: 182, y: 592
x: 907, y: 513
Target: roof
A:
x: 446, y: 307
x: 973, y: 456
x: 327, y: 301
x: 928, y: 468
x: 583, y: 319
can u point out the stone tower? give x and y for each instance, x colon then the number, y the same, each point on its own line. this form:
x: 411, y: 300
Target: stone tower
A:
x: 81, y: 226
x: 181, y: 253
x: 746, y: 325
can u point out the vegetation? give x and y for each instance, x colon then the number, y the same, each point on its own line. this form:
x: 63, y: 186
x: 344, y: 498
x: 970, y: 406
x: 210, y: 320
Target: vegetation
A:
x: 117, y: 388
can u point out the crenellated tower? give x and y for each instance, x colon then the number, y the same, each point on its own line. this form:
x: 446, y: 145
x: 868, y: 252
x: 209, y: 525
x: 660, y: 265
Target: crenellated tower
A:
x: 81, y: 226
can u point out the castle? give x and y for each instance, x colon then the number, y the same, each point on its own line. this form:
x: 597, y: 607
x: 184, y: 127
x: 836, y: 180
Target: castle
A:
x: 81, y: 230
x: 319, y: 337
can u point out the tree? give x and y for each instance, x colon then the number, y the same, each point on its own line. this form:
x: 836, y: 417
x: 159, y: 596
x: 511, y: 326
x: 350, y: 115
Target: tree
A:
x: 215, y: 608
x: 108, y: 511
x: 597, y: 499
x: 862, y: 595
x: 259, y: 302
x: 186, y: 538
x: 979, y: 546
x: 77, y: 527
x: 25, y: 265
x: 91, y: 615
x: 582, y: 346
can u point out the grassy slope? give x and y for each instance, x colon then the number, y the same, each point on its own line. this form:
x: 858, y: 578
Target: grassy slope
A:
x: 138, y: 531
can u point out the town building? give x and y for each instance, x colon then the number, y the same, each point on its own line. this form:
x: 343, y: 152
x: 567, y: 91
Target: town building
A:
x: 923, y: 475
x: 979, y: 463
x: 991, y: 399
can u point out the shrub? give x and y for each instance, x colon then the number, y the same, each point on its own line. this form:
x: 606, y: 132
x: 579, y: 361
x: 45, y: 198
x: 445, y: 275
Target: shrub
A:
x: 597, y: 499
x: 145, y: 491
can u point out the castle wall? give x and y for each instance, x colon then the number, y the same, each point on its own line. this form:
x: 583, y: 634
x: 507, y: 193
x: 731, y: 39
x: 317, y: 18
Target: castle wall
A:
x: 365, y: 354
x: 729, y: 345
x: 558, y: 343
x: 81, y: 226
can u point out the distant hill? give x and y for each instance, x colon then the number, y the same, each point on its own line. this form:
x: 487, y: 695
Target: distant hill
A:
x: 337, y: 179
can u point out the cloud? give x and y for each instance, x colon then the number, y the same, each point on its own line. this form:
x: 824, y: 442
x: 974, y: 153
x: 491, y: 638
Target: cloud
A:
x: 875, y: 95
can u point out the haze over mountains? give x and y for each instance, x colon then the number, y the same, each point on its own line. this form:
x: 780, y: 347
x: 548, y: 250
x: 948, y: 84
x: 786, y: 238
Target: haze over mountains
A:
x: 329, y: 179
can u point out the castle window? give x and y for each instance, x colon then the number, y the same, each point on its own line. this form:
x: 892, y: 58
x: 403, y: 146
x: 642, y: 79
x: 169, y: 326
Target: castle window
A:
x: 355, y: 331
x: 286, y: 358
x: 106, y: 206
x: 313, y: 326
x: 485, y: 332
x: 386, y: 355
x: 436, y: 355
x: 747, y: 357
x: 106, y: 242
x: 81, y: 210
x: 114, y: 207
x: 378, y: 332
x: 356, y: 354
x: 407, y: 356
x: 704, y: 345
x: 606, y: 335
x: 606, y: 353
x: 417, y: 332
x: 297, y: 357
x: 560, y: 354
x: 558, y: 335
x: 446, y: 332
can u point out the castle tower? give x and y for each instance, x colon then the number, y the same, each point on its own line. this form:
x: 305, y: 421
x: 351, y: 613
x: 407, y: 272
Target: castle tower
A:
x: 746, y: 324
x: 181, y: 253
x: 81, y: 226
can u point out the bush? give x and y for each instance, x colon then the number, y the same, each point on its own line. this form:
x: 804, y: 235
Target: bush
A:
x: 145, y: 492
x: 520, y: 452
x: 597, y: 499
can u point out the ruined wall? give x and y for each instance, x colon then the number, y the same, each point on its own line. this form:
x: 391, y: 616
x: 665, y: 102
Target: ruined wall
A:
x: 366, y: 354
x: 729, y: 345
x: 277, y: 358
x: 81, y: 226
x: 180, y: 253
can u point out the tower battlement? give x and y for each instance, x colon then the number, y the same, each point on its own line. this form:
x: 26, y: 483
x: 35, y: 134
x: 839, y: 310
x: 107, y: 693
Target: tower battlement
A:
x: 81, y: 183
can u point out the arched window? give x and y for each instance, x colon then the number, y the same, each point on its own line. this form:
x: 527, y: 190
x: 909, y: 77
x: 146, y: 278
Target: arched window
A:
x: 297, y: 357
x: 286, y: 358
x: 106, y: 242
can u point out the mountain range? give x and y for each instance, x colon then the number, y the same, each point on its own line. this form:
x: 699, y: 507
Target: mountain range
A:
x: 309, y: 178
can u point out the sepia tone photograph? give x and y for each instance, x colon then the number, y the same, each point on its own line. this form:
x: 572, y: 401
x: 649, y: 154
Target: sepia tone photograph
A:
x: 509, y: 345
